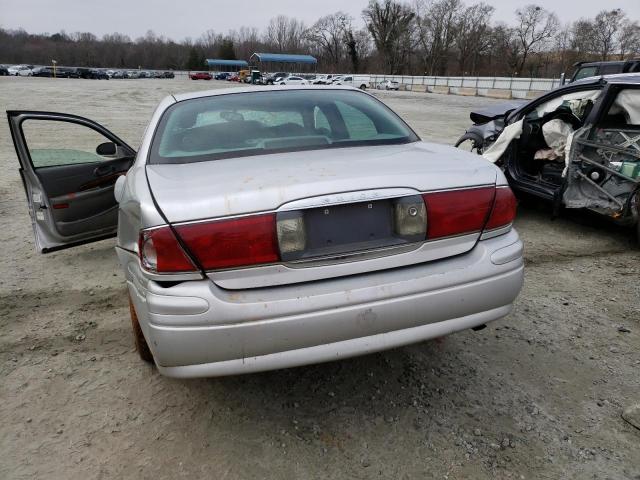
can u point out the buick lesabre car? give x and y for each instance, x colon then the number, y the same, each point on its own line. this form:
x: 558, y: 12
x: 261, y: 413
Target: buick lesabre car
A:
x: 272, y: 227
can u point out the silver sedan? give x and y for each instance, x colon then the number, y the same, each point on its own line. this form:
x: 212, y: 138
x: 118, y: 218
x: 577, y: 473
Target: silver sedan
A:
x: 263, y: 228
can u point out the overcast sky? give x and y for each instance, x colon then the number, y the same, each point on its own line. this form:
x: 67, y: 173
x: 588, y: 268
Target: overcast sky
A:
x: 178, y: 19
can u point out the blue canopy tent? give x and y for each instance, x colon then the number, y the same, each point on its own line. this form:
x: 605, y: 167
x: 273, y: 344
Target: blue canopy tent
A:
x: 279, y: 59
x: 218, y: 62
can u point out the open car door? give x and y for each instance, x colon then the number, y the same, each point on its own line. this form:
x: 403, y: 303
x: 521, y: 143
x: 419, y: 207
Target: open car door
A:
x: 69, y: 166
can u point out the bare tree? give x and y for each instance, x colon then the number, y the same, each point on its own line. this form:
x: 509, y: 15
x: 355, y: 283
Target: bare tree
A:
x: 582, y: 38
x: 534, y: 28
x: 328, y: 34
x: 629, y: 39
x: 606, y: 26
x: 285, y: 34
x: 436, y: 25
x: 390, y: 24
x: 471, y: 35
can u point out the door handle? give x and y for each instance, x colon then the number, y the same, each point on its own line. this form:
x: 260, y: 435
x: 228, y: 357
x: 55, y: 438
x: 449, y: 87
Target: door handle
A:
x: 103, y: 170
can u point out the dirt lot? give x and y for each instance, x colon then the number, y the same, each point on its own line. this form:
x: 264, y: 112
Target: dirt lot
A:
x: 536, y: 395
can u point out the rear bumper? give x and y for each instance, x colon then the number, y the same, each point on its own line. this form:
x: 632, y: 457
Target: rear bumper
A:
x: 196, y: 329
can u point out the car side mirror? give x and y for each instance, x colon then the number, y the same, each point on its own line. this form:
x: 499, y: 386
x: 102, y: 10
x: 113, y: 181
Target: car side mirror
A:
x: 118, y: 188
x: 107, y: 149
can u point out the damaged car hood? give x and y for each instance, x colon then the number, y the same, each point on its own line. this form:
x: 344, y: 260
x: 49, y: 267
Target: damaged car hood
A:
x: 486, y: 114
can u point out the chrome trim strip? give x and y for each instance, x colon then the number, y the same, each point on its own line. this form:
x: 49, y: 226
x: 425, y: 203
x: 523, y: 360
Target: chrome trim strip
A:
x: 496, y: 232
x: 163, y: 277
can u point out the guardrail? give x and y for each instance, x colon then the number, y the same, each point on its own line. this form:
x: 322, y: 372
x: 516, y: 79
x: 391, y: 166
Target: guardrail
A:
x: 500, y: 87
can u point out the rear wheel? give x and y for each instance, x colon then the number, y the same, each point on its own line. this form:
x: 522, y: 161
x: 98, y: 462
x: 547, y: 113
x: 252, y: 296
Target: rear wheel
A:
x: 138, y: 337
x: 363, y: 87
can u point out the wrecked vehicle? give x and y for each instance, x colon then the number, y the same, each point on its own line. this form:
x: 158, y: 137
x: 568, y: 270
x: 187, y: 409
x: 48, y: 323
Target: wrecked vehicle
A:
x: 577, y: 146
x: 262, y: 228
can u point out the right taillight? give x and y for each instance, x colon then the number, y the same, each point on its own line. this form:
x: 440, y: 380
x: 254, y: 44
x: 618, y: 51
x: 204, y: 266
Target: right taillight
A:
x: 457, y: 212
x: 504, y: 209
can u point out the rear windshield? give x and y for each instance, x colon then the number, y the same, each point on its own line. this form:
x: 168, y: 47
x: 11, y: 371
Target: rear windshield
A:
x: 254, y: 123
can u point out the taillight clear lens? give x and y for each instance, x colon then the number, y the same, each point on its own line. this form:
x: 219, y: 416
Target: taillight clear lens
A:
x: 292, y: 235
x: 232, y: 243
x: 160, y: 252
x: 504, y: 209
x: 410, y: 217
x: 457, y: 212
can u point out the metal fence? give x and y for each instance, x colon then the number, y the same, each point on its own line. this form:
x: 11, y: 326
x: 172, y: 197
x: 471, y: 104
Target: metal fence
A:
x: 519, y: 87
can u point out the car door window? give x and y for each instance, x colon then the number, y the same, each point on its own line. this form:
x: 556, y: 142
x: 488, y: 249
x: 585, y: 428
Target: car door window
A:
x: 610, y: 69
x: 585, y: 73
x: 55, y: 143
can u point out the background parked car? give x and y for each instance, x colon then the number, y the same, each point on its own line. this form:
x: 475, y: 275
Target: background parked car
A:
x: 21, y: 70
x: 323, y: 79
x: 271, y: 79
x: 67, y: 72
x: 388, y: 85
x: 92, y: 74
x: 233, y: 77
x: 221, y: 75
x: 293, y: 80
x: 596, y: 69
x: 43, y: 72
x: 200, y: 76
x: 168, y: 74
x: 3, y: 71
x: 358, y: 81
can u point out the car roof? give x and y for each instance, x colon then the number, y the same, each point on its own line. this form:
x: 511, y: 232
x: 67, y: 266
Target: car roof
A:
x: 630, y: 78
x: 179, y: 97
x: 596, y: 64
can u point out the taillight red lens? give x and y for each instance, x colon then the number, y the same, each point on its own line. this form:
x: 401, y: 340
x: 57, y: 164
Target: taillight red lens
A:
x: 457, y: 212
x: 232, y: 243
x: 504, y: 209
x: 160, y: 252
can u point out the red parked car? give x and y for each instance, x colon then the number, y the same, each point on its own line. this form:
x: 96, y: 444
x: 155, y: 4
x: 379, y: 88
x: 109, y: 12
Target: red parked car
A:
x: 200, y: 76
x: 233, y: 78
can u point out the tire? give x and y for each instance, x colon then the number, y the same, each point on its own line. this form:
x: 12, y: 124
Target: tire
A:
x: 138, y: 337
x: 476, y: 143
x: 363, y: 87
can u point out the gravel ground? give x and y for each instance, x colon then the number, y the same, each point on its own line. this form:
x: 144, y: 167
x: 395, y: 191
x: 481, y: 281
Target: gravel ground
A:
x: 538, y: 394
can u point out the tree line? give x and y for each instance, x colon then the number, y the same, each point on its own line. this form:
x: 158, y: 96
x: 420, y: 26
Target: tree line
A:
x: 428, y: 37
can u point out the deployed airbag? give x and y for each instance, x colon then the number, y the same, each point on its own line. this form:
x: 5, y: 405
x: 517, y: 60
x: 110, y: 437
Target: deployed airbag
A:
x: 510, y: 133
x: 555, y: 133
x: 628, y: 102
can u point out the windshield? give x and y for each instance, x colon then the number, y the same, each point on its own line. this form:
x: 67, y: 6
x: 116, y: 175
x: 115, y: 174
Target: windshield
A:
x: 254, y: 123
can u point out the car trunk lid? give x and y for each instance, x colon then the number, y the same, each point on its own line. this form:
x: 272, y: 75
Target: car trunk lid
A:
x: 346, y: 196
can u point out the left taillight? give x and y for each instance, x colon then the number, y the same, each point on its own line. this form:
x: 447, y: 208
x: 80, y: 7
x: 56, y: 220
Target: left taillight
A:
x: 160, y: 252
x: 237, y: 242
